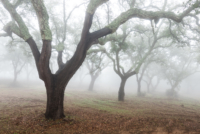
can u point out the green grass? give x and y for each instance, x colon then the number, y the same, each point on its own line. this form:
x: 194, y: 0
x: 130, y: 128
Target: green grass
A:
x: 105, y: 106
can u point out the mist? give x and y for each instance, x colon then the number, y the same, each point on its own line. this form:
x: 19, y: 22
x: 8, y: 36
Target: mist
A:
x: 89, y: 66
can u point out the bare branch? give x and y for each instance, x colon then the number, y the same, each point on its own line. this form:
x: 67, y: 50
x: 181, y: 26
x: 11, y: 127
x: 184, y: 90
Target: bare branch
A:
x: 66, y: 19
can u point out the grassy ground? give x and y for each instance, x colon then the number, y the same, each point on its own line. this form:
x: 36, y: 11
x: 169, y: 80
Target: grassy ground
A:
x: 22, y: 111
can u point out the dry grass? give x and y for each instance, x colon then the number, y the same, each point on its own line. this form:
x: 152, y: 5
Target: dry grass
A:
x: 22, y: 111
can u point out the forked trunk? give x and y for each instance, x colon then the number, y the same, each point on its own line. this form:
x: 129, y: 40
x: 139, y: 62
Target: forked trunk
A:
x: 121, y: 93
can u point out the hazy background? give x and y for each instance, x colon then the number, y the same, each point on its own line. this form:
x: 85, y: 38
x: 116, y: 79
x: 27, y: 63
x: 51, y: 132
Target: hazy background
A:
x: 107, y: 81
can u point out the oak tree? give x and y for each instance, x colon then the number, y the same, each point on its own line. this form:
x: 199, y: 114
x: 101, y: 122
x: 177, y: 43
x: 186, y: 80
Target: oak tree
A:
x: 55, y: 83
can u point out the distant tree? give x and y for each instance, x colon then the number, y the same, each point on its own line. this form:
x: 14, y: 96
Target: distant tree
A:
x: 132, y: 51
x: 152, y: 73
x: 118, y: 54
x: 157, y: 40
x: 17, y: 58
x: 95, y: 65
x: 56, y: 83
x: 29, y: 65
x: 139, y: 77
x: 178, y: 66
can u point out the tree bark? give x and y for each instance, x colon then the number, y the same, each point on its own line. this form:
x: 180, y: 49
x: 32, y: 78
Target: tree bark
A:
x: 55, y: 99
x: 121, y: 93
x: 139, y: 84
x: 60, y: 61
x: 55, y: 86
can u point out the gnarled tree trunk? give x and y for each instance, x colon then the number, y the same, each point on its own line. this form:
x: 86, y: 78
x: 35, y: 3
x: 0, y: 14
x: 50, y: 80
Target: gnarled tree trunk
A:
x: 55, y: 100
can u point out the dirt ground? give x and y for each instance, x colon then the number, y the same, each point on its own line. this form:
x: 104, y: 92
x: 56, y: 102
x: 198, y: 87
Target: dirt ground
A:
x: 22, y: 111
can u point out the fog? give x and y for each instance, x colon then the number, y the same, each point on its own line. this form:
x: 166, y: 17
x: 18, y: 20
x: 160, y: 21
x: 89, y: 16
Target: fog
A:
x: 99, y: 66
x: 108, y: 80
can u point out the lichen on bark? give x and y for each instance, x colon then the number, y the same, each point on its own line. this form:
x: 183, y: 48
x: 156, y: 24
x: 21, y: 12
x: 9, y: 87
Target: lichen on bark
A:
x: 43, y: 19
x: 101, y: 41
x: 94, y: 4
x: 120, y: 20
x: 60, y: 47
x: 12, y: 27
x: 150, y: 15
x: 21, y: 29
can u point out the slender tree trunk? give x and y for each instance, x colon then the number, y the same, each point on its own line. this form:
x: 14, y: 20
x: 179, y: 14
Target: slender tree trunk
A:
x: 121, y: 93
x: 139, y: 85
x: 93, y: 79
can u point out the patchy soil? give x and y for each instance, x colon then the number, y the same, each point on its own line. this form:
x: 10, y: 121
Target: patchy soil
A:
x: 22, y: 111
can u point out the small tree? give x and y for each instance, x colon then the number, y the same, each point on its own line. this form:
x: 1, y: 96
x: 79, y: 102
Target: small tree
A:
x: 178, y: 66
x: 95, y: 65
x: 152, y: 73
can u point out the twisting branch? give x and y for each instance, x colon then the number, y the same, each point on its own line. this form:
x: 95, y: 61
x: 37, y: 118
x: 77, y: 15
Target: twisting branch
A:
x: 149, y: 15
x: 22, y: 27
x: 142, y: 14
